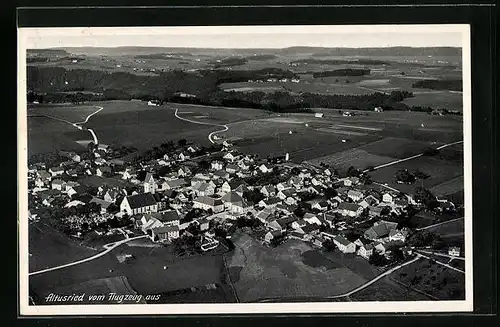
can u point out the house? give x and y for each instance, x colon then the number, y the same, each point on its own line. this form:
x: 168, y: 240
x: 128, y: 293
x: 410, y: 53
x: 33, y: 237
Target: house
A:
x: 270, y: 202
x: 355, y: 195
x: 291, y: 200
x: 369, y: 201
x: 240, y: 189
x: 208, y: 203
x: 100, y: 161
x: 231, y: 198
x: 139, y: 203
x: 350, y: 181
x: 74, y: 203
x: 299, y: 224
x: 281, y: 187
x: 243, y: 164
x: 111, y: 195
x: 217, y: 165
x: 220, y: 174
x: 378, y: 109
x: 318, y: 115
x: 344, y: 245
x: 58, y: 184
x: 296, y: 182
x: 231, y: 168
x: 204, y: 224
x: 56, y: 171
x: 103, y: 147
x: 312, y: 219
x: 265, y: 168
x: 103, y: 171
x: 387, y: 198
x: 365, y: 251
x: 320, y: 205
x: 349, y: 209
x: 165, y: 233
x: 287, y: 193
x: 101, y: 203
x: 314, y: 189
x: 398, y: 235
x: 309, y: 229
x: 282, y: 224
x: 242, y: 207
x: 128, y: 173
x: 268, y: 190
x: 231, y: 156
x: 73, y: 190
x: 265, y: 216
x: 379, y: 231
x: 375, y: 211
x: 381, y: 248
x: 454, y: 251
x: 203, y: 189
x: 272, y: 235
x: 184, y: 171
x: 174, y: 184
x: 193, y: 148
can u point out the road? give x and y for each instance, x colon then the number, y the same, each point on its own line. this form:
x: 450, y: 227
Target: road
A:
x: 443, y: 264
x: 439, y: 224
x: 409, y: 158
x: 388, y: 272
x: 77, y: 124
x: 109, y: 247
x: 442, y: 255
x: 211, y: 135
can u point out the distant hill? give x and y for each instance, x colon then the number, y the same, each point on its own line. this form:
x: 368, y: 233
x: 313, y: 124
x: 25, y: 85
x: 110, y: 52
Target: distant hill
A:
x: 315, y: 51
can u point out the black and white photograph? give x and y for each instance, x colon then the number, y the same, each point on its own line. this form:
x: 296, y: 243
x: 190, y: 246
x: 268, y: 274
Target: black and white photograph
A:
x: 245, y: 169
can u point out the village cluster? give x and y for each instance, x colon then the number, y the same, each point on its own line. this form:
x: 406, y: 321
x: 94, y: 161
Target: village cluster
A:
x: 286, y: 200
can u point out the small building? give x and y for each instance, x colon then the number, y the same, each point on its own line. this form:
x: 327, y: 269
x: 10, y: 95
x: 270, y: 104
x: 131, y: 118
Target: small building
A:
x: 344, y: 245
x: 318, y: 115
x: 139, y: 203
x: 454, y: 251
x: 365, y: 251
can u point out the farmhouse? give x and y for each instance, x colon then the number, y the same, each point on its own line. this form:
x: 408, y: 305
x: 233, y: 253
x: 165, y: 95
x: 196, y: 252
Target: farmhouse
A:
x: 103, y: 171
x: 349, y: 209
x: 344, y: 245
x: 165, y: 233
x: 454, y: 251
x: 318, y: 115
x: 272, y: 235
x: 217, y: 165
x: 398, y: 235
x: 281, y: 224
x: 270, y: 202
x: 350, y: 181
x: 55, y: 171
x: 111, y: 195
x: 265, y: 168
x: 139, y: 203
x: 365, y: 251
x: 203, y: 189
x: 268, y: 190
x: 102, y: 203
x: 265, y: 216
x: 379, y: 231
x: 355, y: 195
x: 174, y: 184
x: 208, y: 203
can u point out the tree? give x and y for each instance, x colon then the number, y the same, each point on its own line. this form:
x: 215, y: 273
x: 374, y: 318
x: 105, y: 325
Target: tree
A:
x: 182, y: 142
x: 377, y: 259
x: 352, y: 172
x: 425, y: 197
x: 295, y: 171
x: 253, y: 195
x: 204, y: 164
x: 430, y: 152
x: 420, y: 174
x: 329, y: 245
x: 330, y: 192
x: 404, y: 176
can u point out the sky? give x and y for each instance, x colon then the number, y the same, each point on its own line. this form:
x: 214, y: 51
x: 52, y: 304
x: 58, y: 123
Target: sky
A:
x: 249, y: 36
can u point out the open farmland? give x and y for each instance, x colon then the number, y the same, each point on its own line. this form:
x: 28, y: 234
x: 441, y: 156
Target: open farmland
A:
x: 47, y: 135
x: 147, y: 265
x: 449, y: 187
x: 438, y: 170
x: 49, y: 247
x: 386, y: 288
x: 69, y: 112
x: 436, y: 99
x: 293, y: 269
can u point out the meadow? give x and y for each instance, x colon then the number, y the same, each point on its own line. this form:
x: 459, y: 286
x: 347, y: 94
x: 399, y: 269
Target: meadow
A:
x: 292, y: 269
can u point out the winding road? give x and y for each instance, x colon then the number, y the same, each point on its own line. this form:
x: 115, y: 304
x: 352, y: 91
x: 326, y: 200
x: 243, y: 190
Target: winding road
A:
x: 211, y: 135
x: 77, y: 124
x: 109, y: 247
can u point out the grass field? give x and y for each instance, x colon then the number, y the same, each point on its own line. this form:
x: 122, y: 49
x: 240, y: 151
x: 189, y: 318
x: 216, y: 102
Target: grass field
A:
x: 69, y: 112
x: 439, y: 171
x: 49, y: 247
x: 449, y: 187
x: 145, y: 273
x: 386, y: 289
x: 291, y: 270
x: 454, y: 228
x: 441, y: 282
x: 442, y: 99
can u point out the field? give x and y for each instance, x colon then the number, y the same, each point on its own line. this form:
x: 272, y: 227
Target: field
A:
x: 387, y: 289
x: 49, y: 247
x: 69, y: 112
x: 438, y: 170
x: 449, y: 187
x: 449, y: 230
x: 437, y: 99
x: 169, y: 272
x: 293, y: 269
x: 440, y: 282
